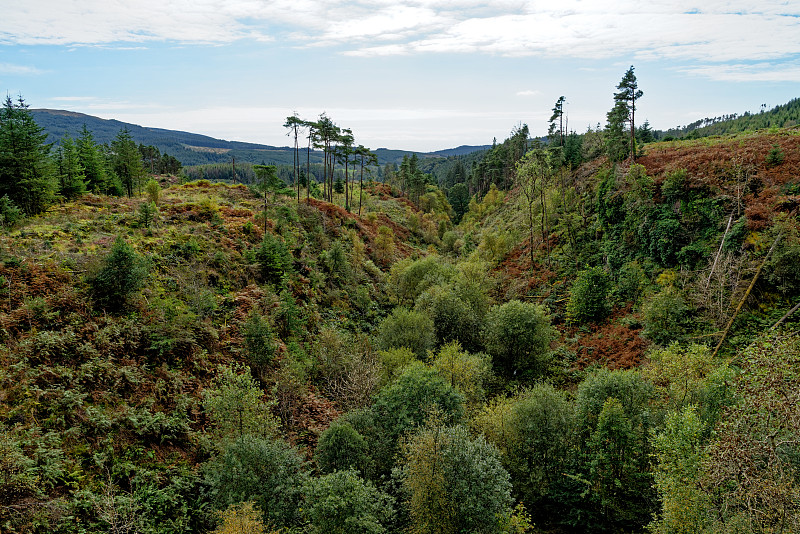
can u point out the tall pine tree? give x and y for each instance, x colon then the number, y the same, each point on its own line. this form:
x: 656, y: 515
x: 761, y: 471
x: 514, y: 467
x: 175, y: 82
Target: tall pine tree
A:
x: 93, y: 162
x: 624, y: 112
x: 127, y: 161
x: 26, y: 169
x: 70, y: 171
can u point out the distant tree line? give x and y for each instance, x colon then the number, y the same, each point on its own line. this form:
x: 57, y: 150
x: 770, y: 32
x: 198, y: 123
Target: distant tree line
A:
x: 34, y: 174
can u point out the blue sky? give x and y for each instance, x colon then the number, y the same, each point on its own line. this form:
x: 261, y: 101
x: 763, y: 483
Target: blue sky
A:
x: 417, y: 75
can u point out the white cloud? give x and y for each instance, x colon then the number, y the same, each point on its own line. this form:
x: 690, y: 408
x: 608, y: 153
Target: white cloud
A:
x: 761, y: 72
x: 712, y: 31
x: 73, y: 98
x: 10, y: 68
x: 528, y: 92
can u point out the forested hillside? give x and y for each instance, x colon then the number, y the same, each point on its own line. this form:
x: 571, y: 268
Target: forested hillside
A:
x: 590, y: 333
x: 195, y: 149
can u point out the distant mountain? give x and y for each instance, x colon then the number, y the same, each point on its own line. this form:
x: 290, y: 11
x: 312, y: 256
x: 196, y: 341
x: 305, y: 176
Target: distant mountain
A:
x: 196, y: 149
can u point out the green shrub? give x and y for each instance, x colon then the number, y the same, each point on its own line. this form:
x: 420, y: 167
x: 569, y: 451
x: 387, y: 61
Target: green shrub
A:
x: 336, y: 263
x: 341, y: 447
x: 588, y: 299
x: 403, y: 405
x: 539, y: 434
x: 631, y: 282
x: 466, y: 372
x: 258, y: 341
x: 517, y: 336
x: 665, y: 316
x: 453, y: 319
x: 394, y: 362
x: 407, y: 328
x: 410, y: 278
x: 774, y: 157
x: 265, y: 471
x: 614, y: 426
x: 122, y: 274
x: 153, y: 191
x: 455, y: 483
x: 235, y: 407
x: 10, y: 214
x: 343, y: 503
x: 274, y: 259
x: 147, y: 212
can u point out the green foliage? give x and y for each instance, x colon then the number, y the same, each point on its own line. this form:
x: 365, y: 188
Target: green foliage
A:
x: 94, y: 164
x: 453, y: 318
x: 401, y: 406
x: 538, y: 435
x: 336, y: 263
x: 588, y: 299
x: 147, y: 212
x: 410, y: 278
x: 258, y: 340
x: 517, y: 336
x: 455, y: 483
x: 10, y: 214
x: 265, y: 471
x: 266, y: 179
x: 341, y: 447
x: 673, y: 188
x: 687, y: 376
x: 70, y: 171
x: 680, y: 454
x: 614, y: 422
x: 665, y: 316
x: 153, y: 191
x: 394, y: 362
x: 781, y: 267
x: 752, y: 472
x: 122, y: 274
x: 466, y: 372
x: 127, y: 162
x: 459, y: 199
x: 631, y: 283
x: 618, y: 461
x: 289, y: 318
x: 343, y: 503
x: 274, y: 259
x: 240, y: 518
x: 407, y: 328
x: 619, y: 143
x: 774, y: 157
x: 234, y: 405
x: 406, y: 402
x: 26, y: 171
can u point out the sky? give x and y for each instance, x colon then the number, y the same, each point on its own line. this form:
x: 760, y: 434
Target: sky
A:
x: 417, y: 75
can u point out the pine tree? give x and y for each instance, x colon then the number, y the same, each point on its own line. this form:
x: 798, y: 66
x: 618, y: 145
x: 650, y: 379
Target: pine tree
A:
x: 26, y: 169
x: 70, y: 171
x: 557, y: 130
x: 127, y: 161
x: 93, y: 162
x: 624, y: 111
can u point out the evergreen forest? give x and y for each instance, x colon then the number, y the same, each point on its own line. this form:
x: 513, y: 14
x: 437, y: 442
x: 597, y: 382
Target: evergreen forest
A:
x: 581, y: 333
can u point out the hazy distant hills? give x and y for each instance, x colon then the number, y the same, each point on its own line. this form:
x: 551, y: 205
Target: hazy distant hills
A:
x: 196, y: 149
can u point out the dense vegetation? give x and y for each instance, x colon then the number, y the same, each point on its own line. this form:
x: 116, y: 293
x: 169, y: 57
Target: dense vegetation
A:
x: 588, y: 338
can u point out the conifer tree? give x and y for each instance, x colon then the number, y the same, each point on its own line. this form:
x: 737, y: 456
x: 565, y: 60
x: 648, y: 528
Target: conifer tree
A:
x: 557, y: 130
x: 127, y: 161
x: 26, y: 170
x: 623, y: 112
x: 70, y: 171
x: 91, y: 159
